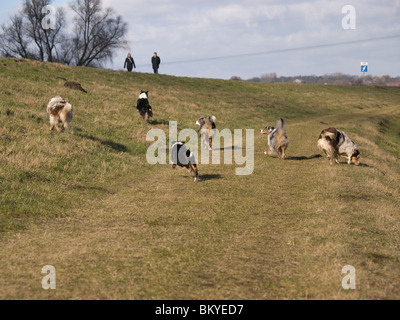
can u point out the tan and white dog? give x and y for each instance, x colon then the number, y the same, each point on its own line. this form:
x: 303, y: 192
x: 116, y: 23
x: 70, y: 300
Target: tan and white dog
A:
x: 335, y: 143
x: 206, y: 130
x: 278, y: 141
x: 60, y: 111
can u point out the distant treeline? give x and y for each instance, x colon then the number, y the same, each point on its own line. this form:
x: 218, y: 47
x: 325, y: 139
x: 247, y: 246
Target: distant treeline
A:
x: 333, y: 79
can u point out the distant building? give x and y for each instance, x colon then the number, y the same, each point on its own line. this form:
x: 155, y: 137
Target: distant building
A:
x: 298, y: 81
x: 393, y: 84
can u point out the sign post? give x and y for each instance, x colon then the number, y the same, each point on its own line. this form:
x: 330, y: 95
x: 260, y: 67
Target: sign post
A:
x: 364, y: 67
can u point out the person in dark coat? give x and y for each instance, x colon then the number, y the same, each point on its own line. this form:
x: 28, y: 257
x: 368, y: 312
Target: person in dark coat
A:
x: 155, y: 61
x: 129, y: 63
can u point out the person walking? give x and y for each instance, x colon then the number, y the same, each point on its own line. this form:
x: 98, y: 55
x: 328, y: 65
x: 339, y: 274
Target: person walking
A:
x: 155, y: 61
x: 129, y: 63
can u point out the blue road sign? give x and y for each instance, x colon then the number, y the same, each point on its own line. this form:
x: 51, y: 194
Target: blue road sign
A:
x: 364, y: 66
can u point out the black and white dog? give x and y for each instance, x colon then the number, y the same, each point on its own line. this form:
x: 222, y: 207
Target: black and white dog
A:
x: 183, y: 157
x: 143, y: 106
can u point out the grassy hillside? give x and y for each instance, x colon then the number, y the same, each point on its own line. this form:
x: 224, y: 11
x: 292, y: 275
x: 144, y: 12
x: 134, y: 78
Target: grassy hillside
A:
x: 87, y: 202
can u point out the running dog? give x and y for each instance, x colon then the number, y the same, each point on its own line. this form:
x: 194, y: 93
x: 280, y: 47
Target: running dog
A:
x: 143, y: 106
x: 183, y: 157
x: 335, y: 143
x: 206, y: 130
x: 278, y: 141
x: 60, y: 111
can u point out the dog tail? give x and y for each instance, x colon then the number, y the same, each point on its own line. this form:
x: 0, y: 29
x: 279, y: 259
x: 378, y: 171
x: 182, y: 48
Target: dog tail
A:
x: 327, y: 142
x: 56, y: 104
x: 331, y: 134
x: 212, y: 119
x: 68, y: 107
x: 144, y: 95
x: 280, y: 127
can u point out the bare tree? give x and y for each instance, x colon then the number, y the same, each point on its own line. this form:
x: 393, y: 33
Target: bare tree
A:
x: 268, y: 77
x: 64, y: 51
x: 44, y: 39
x: 97, y: 33
x: 26, y: 36
x: 13, y: 41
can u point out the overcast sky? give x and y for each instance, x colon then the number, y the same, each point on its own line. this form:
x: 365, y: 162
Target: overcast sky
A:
x: 197, y: 31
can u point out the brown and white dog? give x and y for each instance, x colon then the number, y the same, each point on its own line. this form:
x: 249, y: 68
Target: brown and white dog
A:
x: 278, y: 141
x: 60, y: 111
x: 181, y: 156
x: 206, y: 130
x: 335, y: 143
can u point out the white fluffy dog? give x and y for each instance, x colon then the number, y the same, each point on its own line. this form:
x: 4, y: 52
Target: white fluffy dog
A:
x: 60, y: 111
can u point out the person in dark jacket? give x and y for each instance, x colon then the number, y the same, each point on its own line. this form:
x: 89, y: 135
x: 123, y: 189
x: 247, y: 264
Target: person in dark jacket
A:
x: 129, y: 63
x: 155, y: 61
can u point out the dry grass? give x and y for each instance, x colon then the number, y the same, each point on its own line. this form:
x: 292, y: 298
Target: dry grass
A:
x: 117, y: 228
